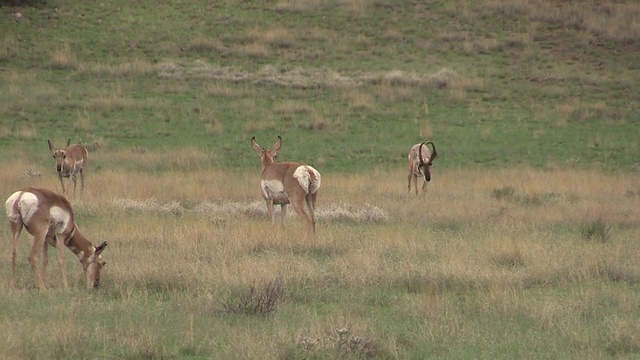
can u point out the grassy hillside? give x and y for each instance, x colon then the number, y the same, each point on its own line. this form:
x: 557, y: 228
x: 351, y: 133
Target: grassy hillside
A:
x: 348, y: 84
x: 525, y: 246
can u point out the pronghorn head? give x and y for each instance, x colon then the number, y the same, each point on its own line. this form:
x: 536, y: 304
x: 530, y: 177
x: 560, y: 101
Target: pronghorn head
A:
x: 93, y: 265
x: 267, y: 156
x: 59, y: 155
x: 426, y: 165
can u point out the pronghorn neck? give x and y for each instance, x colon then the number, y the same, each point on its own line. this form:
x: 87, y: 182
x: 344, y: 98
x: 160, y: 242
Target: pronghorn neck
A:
x: 80, y: 246
x: 267, y: 159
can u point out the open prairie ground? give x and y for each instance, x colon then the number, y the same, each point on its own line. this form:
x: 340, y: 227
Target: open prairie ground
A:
x: 526, y: 244
x: 514, y: 263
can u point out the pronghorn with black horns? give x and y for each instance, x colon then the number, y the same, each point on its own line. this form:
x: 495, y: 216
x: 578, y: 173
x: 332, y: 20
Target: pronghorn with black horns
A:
x: 49, y: 218
x: 283, y: 183
x: 419, y: 166
x: 69, y: 162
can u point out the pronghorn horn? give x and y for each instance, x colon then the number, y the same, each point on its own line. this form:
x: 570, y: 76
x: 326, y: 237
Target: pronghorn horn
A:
x: 420, y: 154
x: 50, y: 145
x: 434, y: 153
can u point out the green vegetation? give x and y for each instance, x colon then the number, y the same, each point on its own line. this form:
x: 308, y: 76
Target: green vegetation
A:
x: 348, y: 84
x: 524, y: 247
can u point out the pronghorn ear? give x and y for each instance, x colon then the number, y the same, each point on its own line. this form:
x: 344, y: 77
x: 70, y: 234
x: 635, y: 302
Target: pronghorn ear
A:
x: 68, y: 142
x: 255, y: 146
x: 50, y: 145
x: 276, y: 147
x: 100, y: 248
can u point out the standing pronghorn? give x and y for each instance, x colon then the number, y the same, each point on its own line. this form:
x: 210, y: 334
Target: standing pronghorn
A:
x: 69, y: 162
x: 418, y: 165
x: 49, y: 218
x: 287, y: 183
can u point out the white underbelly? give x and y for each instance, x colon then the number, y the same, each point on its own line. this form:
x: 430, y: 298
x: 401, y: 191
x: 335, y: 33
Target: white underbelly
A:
x: 274, y: 190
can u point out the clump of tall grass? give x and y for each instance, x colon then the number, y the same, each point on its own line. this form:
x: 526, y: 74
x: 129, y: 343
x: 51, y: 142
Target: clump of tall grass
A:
x: 294, y: 107
x: 343, y: 344
x: 360, y: 101
x: 253, y: 50
x: 509, y: 193
x: 206, y: 45
x: 136, y: 67
x: 509, y: 259
x: 503, y: 193
x: 8, y: 47
x: 261, y: 300
x: 597, y: 230
x: 318, y: 123
x: 63, y: 58
x: 279, y: 37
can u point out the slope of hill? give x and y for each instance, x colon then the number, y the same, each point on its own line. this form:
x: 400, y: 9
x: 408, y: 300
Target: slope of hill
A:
x: 348, y: 84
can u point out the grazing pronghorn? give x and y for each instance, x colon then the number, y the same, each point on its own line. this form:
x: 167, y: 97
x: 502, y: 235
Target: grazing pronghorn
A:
x: 285, y: 183
x: 418, y: 165
x: 69, y: 162
x: 49, y: 218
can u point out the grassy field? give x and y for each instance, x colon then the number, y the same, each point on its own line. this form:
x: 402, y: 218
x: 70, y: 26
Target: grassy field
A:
x: 525, y: 245
x: 507, y: 264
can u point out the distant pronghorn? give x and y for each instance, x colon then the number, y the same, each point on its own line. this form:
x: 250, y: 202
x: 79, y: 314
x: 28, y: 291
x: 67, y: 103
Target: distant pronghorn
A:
x: 418, y: 165
x: 69, y: 162
x: 49, y: 218
x: 287, y: 183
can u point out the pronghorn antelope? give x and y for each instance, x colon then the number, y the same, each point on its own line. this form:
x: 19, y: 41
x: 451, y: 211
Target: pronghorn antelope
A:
x: 49, y: 218
x: 285, y: 183
x: 418, y: 165
x: 69, y: 162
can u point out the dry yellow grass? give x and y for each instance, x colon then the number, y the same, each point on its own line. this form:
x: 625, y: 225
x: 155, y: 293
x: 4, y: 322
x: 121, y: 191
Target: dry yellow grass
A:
x: 209, y: 227
x: 196, y: 233
x: 63, y: 58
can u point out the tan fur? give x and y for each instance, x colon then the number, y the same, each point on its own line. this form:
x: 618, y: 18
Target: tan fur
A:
x: 69, y: 162
x: 300, y: 184
x: 416, y: 168
x: 36, y: 217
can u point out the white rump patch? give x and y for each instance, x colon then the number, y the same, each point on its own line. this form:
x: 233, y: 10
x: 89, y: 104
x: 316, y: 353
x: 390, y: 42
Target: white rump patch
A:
x: 27, y: 206
x: 309, y: 184
x: 274, y: 190
x: 60, y: 218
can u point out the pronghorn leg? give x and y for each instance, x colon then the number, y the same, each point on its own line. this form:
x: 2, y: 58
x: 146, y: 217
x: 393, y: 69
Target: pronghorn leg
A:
x: 415, y: 182
x: 298, y: 205
x: 409, y: 178
x: 81, y: 181
x: 60, y: 246
x: 61, y: 183
x: 16, y: 229
x: 39, y: 236
x: 424, y: 186
x: 283, y: 213
x: 74, y: 179
x: 45, y: 256
x: 311, y: 205
x: 271, y: 211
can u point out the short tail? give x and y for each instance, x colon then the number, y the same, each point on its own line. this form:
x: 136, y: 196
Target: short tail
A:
x: 314, y: 185
x: 314, y: 180
x: 15, y: 215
